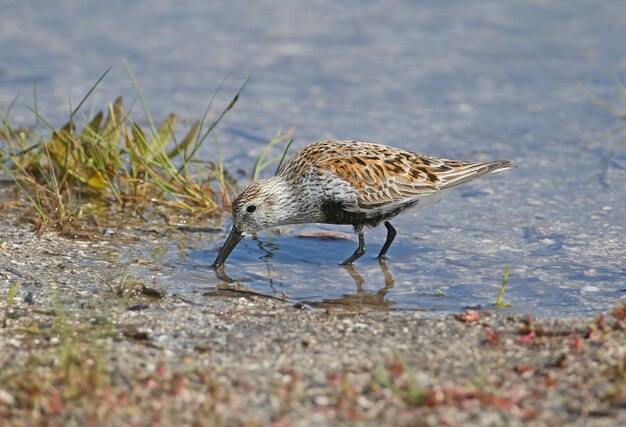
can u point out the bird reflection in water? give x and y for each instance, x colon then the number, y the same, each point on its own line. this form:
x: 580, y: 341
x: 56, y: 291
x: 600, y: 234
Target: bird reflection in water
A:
x: 269, y: 248
x: 361, y: 299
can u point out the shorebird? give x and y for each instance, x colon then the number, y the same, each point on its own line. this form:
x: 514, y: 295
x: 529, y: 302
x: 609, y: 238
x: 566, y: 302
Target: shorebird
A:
x: 347, y: 182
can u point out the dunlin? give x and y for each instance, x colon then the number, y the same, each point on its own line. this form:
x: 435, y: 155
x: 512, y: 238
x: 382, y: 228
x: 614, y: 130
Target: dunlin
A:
x: 348, y: 182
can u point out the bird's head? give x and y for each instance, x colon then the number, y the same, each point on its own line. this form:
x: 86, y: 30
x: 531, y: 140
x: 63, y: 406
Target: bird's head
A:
x: 256, y: 207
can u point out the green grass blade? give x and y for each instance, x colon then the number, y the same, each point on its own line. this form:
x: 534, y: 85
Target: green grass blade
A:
x: 605, y: 106
x: 216, y: 121
x: 164, y: 135
x: 142, y: 100
x: 500, y: 303
x: 260, y: 162
x: 282, y: 159
x: 188, y: 139
x: 620, y: 87
x: 12, y: 293
x: 95, y: 85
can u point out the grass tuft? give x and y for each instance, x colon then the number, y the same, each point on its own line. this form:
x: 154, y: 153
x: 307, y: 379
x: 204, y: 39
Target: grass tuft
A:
x: 111, y: 157
x: 400, y: 381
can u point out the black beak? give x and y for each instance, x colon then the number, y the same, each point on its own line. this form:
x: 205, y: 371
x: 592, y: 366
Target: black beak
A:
x: 231, y: 241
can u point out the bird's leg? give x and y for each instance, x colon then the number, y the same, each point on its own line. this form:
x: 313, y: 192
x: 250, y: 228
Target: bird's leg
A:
x: 359, y: 251
x: 391, y: 234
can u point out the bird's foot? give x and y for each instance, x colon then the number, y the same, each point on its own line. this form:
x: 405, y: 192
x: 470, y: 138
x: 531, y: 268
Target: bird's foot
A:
x: 221, y: 274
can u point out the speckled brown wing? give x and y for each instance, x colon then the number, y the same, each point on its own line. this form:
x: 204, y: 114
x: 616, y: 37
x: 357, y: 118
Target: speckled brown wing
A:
x: 386, y: 178
x: 383, y: 178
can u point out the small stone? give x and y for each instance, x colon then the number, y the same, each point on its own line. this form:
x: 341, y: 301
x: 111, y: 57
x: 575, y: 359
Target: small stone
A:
x: 6, y: 398
x: 322, y: 401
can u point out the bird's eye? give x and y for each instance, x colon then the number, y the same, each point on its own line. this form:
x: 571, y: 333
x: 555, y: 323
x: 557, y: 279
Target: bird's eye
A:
x: 251, y: 208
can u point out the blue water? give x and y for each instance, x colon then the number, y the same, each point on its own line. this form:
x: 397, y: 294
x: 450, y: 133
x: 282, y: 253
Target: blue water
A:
x: 471, y: 80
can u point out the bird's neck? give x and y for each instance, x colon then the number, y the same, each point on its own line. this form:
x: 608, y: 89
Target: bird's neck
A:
x: 296, y: 205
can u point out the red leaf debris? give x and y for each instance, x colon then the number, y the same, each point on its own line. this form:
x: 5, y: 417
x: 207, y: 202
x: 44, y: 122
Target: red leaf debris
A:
x: 468, y: 316
x: 577, y: 344
x: 527, y: 338
x: 492, y: 336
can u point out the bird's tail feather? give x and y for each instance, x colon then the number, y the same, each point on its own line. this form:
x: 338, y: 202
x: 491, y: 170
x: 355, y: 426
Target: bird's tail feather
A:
x: 471, y: 171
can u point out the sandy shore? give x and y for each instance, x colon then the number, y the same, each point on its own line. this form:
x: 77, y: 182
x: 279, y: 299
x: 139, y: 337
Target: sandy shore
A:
x: 80, y: 350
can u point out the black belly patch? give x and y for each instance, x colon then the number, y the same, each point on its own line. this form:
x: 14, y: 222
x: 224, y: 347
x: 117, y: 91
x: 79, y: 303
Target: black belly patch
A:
x: 334, y: 213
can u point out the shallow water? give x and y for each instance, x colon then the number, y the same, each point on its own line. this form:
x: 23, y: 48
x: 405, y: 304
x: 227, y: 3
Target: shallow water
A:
x: 475, y: 81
